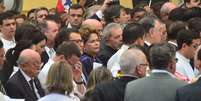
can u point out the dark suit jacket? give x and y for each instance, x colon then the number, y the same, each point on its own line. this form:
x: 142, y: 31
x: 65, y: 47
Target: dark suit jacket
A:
x: 191, y: 92
x: 111, y: 91
x: 44, y: 57
x: 18, y: 87
x: 156, y: 87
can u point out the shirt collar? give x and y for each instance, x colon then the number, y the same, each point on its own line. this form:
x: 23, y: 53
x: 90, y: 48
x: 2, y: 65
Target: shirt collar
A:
x: 148, y: 43
x: 162, y: 71
x: 27, y: 78
x: 180, y: 56
x: 171, y: 42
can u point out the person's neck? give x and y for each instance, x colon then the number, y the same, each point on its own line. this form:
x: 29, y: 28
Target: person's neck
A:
x: 50, y: 44
x: 183, y: 53
x: 9, y: 38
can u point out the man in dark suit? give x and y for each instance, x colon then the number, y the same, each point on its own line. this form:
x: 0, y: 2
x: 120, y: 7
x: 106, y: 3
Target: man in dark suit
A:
x: 133, y: 63
x: 191, y: 92
x: 161, y: 84
x: 24, y: 83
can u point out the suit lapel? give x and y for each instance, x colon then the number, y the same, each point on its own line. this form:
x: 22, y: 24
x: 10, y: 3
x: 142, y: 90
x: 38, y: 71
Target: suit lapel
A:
x: 27, y: 88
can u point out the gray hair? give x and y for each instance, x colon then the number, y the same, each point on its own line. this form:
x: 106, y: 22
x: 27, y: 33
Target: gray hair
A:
x: 130, y: 59
x: 161, y: 55
x: 22, y: 60
x: 107, y: 31
x: 149, y: 19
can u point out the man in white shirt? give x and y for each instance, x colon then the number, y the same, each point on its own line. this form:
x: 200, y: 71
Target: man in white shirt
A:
x: 7, y: 27
x: 187, y: 44
x: 69, y: 52
x: 132, y: 35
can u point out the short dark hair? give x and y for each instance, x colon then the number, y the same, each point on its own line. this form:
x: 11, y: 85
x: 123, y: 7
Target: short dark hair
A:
x: 199, y: 54
x: 68, y: 49
x: 187, y: 37
x: 30, y: 11
x: 195, y: 24
x: 177, y: 14
x: 76, y: 6
x: 6, y: 15
x: 54, y: 18
x: 191, y: 13
x: 174, y: 27
x: 132, y: 32
x: 161, y: 54
x: 64, y: 35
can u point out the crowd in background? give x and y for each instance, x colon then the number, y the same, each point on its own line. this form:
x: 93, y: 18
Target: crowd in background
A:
x: 101, y: 51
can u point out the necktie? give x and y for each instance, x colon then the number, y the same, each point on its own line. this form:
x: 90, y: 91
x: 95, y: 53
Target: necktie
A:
x: 31, y: 82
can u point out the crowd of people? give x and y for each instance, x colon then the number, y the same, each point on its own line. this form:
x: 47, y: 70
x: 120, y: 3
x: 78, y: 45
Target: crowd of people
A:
x: 101, y: 51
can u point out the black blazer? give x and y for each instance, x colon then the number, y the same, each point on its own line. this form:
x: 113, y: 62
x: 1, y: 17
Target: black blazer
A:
x: 18, y: 87
x: 191, y: 92
x: 44, y: 57
x: 111, y: 91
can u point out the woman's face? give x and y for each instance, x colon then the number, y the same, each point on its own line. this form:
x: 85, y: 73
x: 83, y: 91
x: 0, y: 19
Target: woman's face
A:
x: 92, y: 46
x: 40, y: 46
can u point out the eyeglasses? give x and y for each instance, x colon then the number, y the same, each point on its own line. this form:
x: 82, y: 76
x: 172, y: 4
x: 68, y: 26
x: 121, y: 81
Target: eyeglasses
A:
x: 77, y: 41
x: 42, y: 15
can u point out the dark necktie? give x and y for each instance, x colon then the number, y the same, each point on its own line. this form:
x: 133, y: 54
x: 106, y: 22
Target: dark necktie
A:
x: 31, y: 82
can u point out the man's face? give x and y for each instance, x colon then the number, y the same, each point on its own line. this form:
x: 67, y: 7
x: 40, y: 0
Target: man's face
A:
x: 190, y: 49
x: 33, y: 66
x: 75, y: 17
x: 193, y: 3
x: 115, y: 40
x: 124, y: 18
x: 138, y: 15
x: 52, y: 30
x: 76, y: 38
x: 41, y: 15
x: 8, y: 27
x: 159, y: 33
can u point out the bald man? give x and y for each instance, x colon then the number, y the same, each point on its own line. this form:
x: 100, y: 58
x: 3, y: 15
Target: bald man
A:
x: 24, y: 83
x: 94, y: 23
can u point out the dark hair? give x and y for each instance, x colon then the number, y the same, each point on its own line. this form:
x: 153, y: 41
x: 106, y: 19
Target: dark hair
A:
x: 187, y: 37
x: 54, y: 18
x: 174, y: 28
x: 161, y: 55
x: 77, y: 6
x: 1, y: 44
x: 195, y: 24
x: 191, y: 13
x: 23, y: 30
x: 64, y: 35
x: 148, y: 21
x: 68, y: 49
x: 13, y: 53
x: 6, y: 15
x: 36, y: 36
x: 111, y: 12
x: 136, y: 9
x: 177, y: 14
x: 30, y: 11
x: 41, y: 8
x: 132, y: 32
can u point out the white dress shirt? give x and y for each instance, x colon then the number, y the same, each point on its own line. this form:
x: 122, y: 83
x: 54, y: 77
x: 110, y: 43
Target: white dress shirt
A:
x: 113, y: 62
x: 42, y: 76
x: 50, y: 52
x: 183, y: 66
x: 6, y: 98
x: 7, y: 44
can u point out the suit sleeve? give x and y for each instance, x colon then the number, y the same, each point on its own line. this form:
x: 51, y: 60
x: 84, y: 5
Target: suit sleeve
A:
x: 97, y: 95
x: 12, y: 90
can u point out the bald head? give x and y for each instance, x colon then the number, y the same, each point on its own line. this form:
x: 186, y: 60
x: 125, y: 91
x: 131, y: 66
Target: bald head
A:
x: 29, y: 61
x: 168, y: 7
x: 93, y: 23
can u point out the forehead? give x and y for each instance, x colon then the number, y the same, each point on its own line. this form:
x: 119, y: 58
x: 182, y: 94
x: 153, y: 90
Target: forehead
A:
x: 75, y: 35
x: 76, y: 11
x: 11, y: 20
x: 42, y: 12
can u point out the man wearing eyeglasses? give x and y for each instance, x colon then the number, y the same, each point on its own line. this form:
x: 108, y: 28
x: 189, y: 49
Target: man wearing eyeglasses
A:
x: 188, y: 42
x: 161, y: 85
x: 133, y: 65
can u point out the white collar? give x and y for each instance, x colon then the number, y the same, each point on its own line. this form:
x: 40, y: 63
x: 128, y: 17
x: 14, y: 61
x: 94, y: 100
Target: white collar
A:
x: 171, y: 42
x: 148, y: 43
x: 162, y: 71
x: 180, y: 56
x: 25, y: 75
